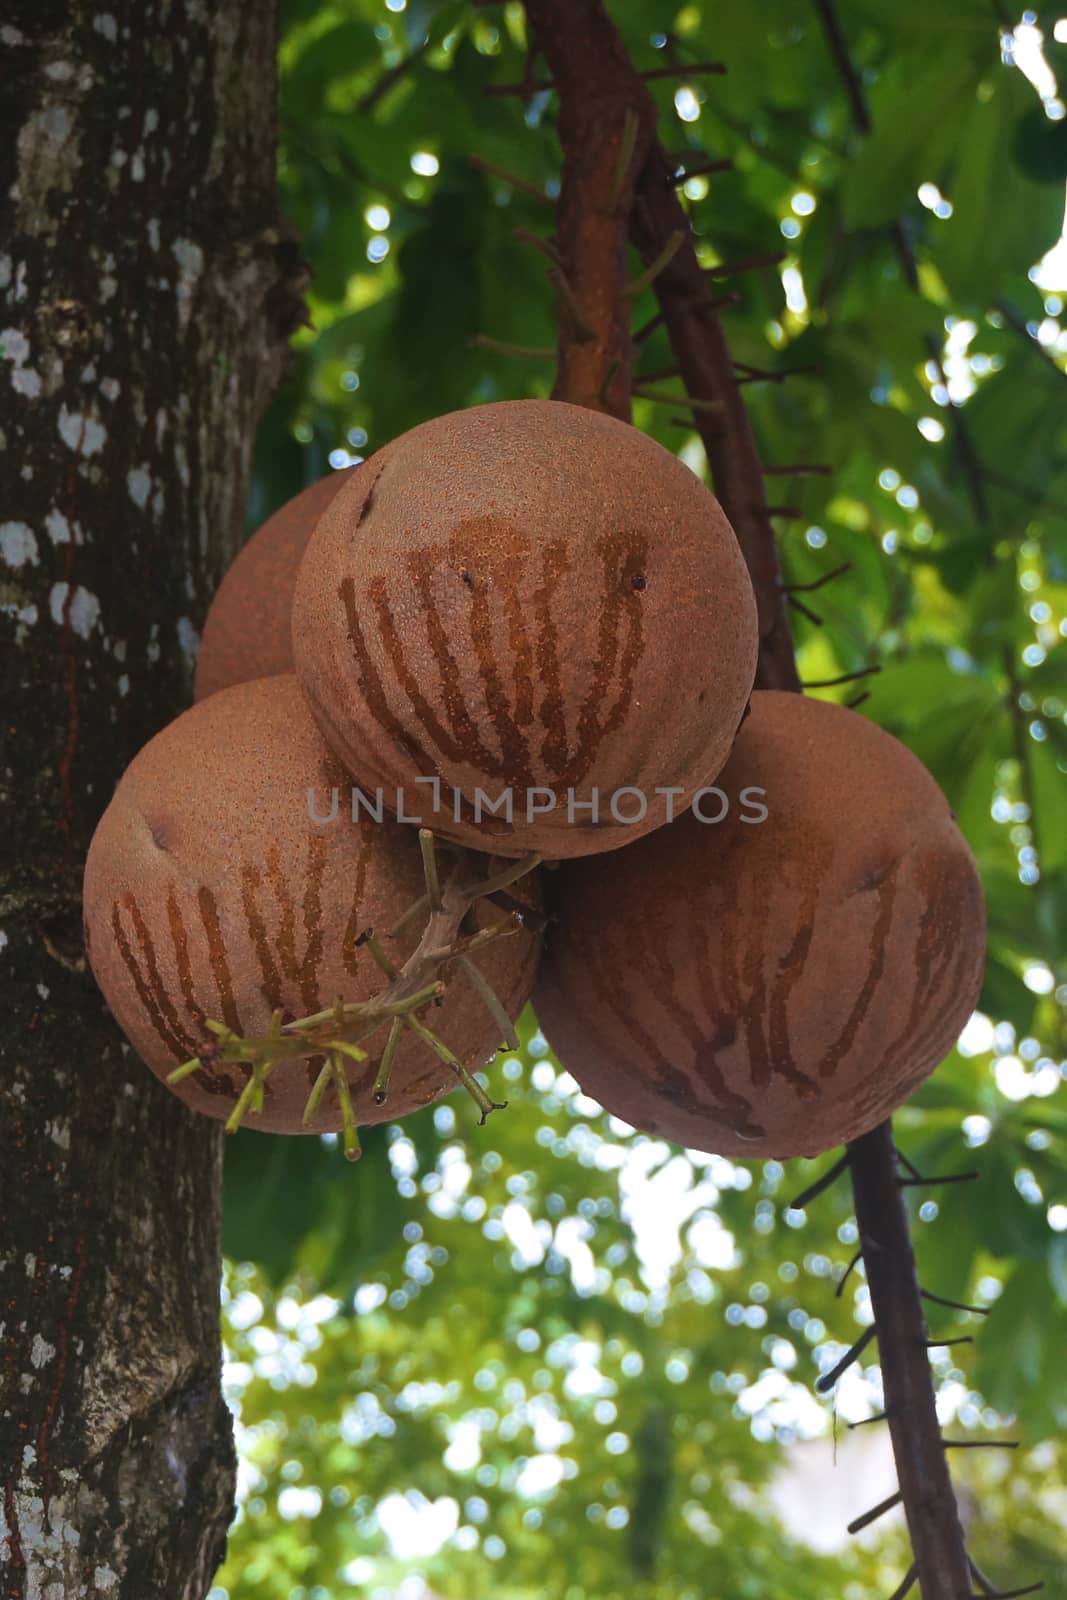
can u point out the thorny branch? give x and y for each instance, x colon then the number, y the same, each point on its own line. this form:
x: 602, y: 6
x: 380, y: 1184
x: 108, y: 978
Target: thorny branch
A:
x: 606, y: 121
x: 606, y: 114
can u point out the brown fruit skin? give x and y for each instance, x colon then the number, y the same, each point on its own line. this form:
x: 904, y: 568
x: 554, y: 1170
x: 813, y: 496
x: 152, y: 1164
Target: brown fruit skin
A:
x: 773, y: 989
x: 246, y: 633
x: 522, y: 595
x: 209, y: 892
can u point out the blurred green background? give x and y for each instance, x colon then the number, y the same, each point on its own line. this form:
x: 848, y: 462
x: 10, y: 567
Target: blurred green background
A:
x: 549, y: 1357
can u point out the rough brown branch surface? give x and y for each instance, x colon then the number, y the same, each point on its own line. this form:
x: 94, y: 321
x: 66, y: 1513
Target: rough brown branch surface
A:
x: 922, y: 1471
x: 922, y: 1466
x: 606, y: 123
x: 702, y: 352
x: 591, y: 68
x: 147, y: 291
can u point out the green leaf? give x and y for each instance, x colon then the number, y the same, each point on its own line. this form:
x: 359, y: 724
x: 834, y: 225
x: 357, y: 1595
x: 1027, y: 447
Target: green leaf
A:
x: 1040, y: 147
x: 1049, y: 776
x: 340, y: 53
x: 917, y: 107
x: 1019, y: 1366
x: 1002, y: 221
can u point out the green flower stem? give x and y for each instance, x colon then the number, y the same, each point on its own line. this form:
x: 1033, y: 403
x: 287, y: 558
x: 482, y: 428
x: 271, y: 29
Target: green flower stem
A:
x: 318, y: 1089
x: 350, y: 1133
x: 470, y: 944
x: 491, y: 1000
x: 385, y: 1066
x: 466, y: 1078
x: 373, y: 944
x: 429, y: 867
x: 504, y: 878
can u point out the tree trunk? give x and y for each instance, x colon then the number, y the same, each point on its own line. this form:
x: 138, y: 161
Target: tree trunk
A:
x: 148, y: 289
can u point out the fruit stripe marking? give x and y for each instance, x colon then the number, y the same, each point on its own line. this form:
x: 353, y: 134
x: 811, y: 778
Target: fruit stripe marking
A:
x: 220, y: 967
x: 886, y: 891
x: 732, y: 1110
x: 304, y: 971
x: 725, y: 981
x: 157, y: 1004
x: 456, y: 736
x: 271, y: 987
x: 940, y: 960
x: 215, y: 1081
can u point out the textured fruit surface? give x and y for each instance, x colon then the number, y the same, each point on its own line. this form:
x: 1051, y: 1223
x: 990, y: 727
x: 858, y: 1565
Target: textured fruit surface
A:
x: 209, y: 892
x: 773, y: 988
x: 246, y: 633
x: 525, y: 597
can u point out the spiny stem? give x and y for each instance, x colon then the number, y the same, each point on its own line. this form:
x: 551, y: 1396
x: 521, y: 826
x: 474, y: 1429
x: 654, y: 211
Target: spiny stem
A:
x: 853, y: 1264
x: 685, y: 401
x: 732, y: 269
x: 875, y: 1512
x: 907, y: 1583
x: 701, y: 168
x: 523, y: 184
x: 821, y: 1184
x: 630, y: 126
x: 826, y: 1382
x: 817, y: 583
x: 558, y: 278
x: 501, y: 347
x: 537, y: 242
x: 980, y: 1444
x: 653, y: 270
x: 844, y: 677
x: 805, y: 611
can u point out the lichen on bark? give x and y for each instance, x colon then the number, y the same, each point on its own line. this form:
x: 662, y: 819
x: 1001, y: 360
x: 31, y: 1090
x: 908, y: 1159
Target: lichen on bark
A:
x: 147, y: 288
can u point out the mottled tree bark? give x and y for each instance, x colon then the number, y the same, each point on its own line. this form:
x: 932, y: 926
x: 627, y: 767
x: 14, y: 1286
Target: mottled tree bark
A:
x: 147, y: 289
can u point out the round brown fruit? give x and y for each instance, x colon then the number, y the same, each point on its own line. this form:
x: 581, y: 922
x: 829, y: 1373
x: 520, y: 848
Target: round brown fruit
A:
x: 246, y: 633
x: 210, y: 893
x: 772, y: 988
x: 528, y: 598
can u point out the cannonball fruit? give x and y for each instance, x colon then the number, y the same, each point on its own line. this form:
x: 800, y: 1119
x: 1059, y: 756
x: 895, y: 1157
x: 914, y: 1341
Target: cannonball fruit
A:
x: 211, y: 893
x: 246, y: 632
x: 534, y: 600
x: 775, y: 987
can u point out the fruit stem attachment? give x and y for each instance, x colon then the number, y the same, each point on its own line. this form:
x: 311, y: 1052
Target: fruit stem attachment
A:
x: 333, y: 1035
